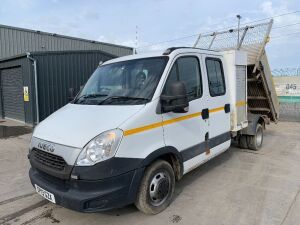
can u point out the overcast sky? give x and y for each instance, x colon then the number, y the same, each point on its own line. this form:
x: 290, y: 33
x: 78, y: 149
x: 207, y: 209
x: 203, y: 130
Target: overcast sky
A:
x: 115, y: 21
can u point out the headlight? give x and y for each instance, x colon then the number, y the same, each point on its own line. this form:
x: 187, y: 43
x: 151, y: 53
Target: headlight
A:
x: 102, y: 147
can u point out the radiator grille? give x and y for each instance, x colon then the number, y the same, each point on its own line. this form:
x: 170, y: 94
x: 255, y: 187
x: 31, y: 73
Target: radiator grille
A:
x: 50, y: 160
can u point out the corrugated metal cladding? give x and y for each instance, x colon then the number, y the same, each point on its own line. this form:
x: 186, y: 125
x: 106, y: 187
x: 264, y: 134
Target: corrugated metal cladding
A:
x: 12, y: 93
x: 57, y: 72
x: 15, y: 41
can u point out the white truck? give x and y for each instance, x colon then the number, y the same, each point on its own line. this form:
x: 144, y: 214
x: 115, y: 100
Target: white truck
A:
x: 143, y: 121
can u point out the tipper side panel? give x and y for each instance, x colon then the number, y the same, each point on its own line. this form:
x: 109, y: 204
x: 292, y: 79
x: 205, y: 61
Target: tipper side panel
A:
x: 236, y: 72
x: 262, y: 98
x: 241, y: 94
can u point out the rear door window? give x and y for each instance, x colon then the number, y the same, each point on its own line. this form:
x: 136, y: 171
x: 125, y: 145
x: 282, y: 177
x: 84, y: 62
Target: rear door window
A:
x: 215, y: 75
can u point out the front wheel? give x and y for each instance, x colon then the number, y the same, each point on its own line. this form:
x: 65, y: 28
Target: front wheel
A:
x: 157, y: 188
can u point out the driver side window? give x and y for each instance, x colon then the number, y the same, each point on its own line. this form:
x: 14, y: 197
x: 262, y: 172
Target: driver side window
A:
x: 187, y: 70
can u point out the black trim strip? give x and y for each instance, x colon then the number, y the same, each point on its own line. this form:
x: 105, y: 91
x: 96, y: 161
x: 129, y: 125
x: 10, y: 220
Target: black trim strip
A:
x: 198, y: 149
x: 193, y: 151
x: 220, y: 139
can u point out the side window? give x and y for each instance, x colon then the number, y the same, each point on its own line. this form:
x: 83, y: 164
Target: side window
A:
x: 215, y: 77
x: 187, y: 70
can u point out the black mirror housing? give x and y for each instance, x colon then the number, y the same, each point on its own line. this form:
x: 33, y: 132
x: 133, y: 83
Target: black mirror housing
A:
x: 71, y: 94
x: 177, y: 100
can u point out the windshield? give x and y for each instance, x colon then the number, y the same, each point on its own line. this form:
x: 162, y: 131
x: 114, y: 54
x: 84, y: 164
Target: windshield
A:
x: 123, y: 83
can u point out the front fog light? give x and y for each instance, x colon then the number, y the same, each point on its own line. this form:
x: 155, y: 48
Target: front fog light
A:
x: 102, y: 147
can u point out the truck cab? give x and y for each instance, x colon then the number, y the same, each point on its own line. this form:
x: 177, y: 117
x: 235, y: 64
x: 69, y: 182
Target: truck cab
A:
x: 139, y: 124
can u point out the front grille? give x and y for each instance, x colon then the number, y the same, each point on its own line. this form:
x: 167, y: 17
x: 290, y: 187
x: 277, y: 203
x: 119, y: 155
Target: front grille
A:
x: 53, y: 161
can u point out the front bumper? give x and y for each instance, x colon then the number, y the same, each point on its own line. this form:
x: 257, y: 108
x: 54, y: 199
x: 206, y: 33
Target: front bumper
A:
x: 90, y: 195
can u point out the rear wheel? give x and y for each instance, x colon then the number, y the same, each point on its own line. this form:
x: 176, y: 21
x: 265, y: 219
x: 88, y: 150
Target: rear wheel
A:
x: 243, y: 142
x: 157, y: 188
x: 255, y: 141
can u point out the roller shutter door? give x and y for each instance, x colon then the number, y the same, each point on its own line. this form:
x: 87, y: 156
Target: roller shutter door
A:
x: 12, y: 93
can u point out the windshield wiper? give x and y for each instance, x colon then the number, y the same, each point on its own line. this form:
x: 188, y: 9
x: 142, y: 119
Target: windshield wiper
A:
x: 89, y: 96
x: 123, y: 98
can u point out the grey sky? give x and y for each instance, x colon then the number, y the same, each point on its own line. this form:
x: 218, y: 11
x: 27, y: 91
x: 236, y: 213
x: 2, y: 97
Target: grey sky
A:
x: 115, y: 21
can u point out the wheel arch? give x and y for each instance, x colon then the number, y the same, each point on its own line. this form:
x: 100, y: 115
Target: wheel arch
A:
x: 169, y: 154
x: 253, y: 120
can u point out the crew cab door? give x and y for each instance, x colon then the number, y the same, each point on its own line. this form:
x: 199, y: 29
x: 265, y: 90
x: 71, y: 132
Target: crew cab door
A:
x: 187, y: 132
x: 218, y: 104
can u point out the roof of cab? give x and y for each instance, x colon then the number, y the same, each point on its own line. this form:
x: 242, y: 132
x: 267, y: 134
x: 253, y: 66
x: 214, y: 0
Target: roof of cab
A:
x: 168, y: 52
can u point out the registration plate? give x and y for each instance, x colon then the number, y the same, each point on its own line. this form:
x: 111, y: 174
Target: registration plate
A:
x: 46, y: 194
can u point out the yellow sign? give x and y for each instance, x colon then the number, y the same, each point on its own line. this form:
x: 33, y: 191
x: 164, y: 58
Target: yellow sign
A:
x: 26, y: 94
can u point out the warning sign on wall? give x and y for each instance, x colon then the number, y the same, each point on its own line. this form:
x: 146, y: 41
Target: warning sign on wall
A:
x: 26, y: 94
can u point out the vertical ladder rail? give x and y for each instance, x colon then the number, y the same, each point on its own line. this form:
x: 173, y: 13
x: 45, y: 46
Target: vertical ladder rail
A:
x: 242, y: 38
x: 212, y: 41
x: 197, y: 41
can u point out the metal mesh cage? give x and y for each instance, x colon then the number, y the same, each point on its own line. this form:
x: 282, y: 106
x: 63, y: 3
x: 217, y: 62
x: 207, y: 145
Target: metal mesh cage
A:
x: 286, y: 72
x: 249, y: 38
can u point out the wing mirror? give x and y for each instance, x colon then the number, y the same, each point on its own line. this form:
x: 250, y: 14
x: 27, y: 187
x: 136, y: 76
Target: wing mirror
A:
x: 71, y: 94
x: 176, y: 100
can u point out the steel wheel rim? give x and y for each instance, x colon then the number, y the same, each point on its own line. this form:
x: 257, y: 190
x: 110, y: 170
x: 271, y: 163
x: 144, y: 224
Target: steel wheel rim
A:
x: 259, y: 137
x: 159, y: 188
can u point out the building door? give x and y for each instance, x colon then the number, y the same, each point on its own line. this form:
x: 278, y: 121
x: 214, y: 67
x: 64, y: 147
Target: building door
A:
x: 187, y: 132
x: 12, y: 93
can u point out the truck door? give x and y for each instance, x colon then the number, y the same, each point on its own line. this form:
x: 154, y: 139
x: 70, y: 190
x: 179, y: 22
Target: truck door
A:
x: 218, y: 104
x: 187, y: 132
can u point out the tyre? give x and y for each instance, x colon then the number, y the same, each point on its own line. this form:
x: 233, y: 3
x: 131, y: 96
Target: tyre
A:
x: 243, y: 142
x: 255, y: 141
x: 157, y: 188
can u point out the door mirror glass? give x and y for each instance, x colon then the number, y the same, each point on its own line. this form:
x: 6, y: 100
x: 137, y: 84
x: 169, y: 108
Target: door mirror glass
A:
x: 176, y: 100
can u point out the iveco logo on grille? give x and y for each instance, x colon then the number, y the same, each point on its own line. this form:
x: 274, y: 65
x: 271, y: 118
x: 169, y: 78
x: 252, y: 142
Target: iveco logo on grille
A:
x: 46, y: 147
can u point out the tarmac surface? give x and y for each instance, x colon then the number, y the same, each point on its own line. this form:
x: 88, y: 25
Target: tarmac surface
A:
x: 239, y: 187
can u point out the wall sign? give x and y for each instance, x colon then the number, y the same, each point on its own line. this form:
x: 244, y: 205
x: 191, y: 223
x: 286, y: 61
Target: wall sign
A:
x: 26, y: 94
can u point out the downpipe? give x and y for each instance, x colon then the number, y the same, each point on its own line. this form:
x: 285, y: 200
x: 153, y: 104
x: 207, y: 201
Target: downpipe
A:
x: 36, y: 87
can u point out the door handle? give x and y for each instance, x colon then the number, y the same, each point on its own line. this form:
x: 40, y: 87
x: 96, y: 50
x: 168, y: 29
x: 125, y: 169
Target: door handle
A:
x: 227, y: 108
x: 205, y: 113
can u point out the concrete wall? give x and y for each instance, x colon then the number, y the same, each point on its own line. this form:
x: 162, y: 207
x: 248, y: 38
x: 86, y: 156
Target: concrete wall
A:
x: 287, y: 86
x: 289, y: 112
x: 288, y: 91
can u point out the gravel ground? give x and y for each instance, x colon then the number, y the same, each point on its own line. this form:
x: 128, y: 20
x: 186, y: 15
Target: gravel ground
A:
x: 239, y: 187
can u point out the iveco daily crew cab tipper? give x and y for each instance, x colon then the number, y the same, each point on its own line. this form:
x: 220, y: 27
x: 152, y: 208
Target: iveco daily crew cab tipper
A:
x: 139, y: 124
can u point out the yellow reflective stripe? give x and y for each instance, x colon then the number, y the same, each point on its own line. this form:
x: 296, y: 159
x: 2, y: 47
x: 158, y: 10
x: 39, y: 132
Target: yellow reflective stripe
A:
x: 141, y: 129
x: 240, y: 103
x: 178, y: 119
x: 159, y: 124
x: 216, y: 109
x: 175, y: 120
